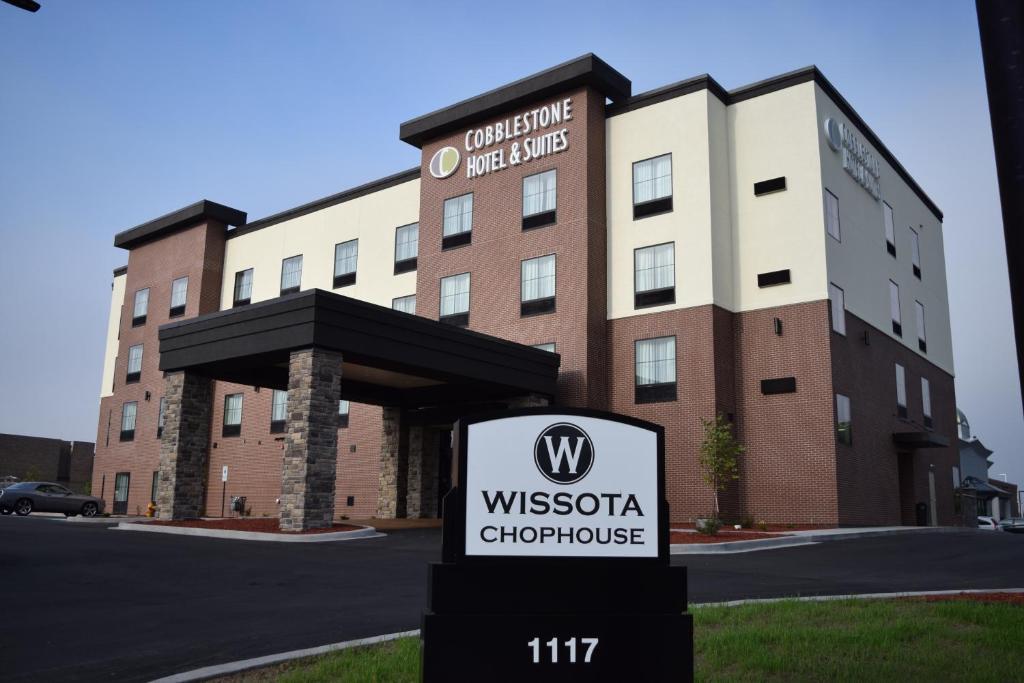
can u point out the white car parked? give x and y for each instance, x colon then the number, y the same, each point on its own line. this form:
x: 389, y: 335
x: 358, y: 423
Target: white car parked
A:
x: 988, y: 523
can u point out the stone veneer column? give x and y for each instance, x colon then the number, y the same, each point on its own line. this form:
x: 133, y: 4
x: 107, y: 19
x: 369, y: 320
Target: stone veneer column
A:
x: 394, y: 464
x: 311, y: 443
x: 423, y: 464
x: 184, y: 446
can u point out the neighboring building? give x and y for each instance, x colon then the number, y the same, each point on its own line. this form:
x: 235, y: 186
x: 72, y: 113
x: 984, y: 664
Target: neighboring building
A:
x: 690, y: 250
x: 35, y: 458
x: 989, y: 497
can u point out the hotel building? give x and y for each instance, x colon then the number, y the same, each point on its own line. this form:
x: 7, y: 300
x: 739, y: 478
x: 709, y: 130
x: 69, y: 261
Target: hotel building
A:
x: 671, y: 255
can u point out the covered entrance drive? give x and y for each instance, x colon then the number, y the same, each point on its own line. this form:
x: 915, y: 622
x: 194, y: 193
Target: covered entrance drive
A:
x: 322, y: 347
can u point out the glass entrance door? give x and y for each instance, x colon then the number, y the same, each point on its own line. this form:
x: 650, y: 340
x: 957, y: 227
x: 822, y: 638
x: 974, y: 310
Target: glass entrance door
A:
x: 121, y: 482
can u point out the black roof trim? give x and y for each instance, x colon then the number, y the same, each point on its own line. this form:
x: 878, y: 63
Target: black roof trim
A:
x: 589, y: 70
x: 668, y: 92
x: 324, y: 202
x: 176, y: 220
x: 122, y: 270
x: 765, y: 87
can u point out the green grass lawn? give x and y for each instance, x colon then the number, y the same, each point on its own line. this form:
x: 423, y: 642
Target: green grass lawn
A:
x: 851, y: 640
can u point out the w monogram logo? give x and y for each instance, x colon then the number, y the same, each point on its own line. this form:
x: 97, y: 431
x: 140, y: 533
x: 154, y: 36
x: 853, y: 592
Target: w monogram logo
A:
x: 563, y: 453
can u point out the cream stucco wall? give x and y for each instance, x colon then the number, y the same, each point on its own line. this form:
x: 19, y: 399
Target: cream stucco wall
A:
x: 113, y: 334
x: 678, y: 126
x: 372, y: 219
x: 860, y: 264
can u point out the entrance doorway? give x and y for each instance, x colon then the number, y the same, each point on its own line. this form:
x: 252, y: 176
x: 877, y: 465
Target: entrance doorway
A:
x: 909, y: 512
x: 121, y: 482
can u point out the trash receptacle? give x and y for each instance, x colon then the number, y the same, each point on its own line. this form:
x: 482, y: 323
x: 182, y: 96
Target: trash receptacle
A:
x: 922, y: 514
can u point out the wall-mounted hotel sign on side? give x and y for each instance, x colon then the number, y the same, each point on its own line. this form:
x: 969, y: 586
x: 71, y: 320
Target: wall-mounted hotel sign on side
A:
x: 555, y: 555
x: 858, y: 160
x: 529, y: 135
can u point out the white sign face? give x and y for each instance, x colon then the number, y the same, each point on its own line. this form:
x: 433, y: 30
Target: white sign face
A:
x: 224, y: 473
x: 561, y: 486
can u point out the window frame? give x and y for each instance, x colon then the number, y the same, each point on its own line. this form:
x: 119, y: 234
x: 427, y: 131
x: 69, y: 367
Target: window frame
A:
x: 844, y: 436
x: 838, y: 236
x: 461, y: 318
x: 129, y: 434
x: 294, y: 288
x: 889, y: 226
x: 926, y: 402
x: 280, y: 425
x: 832, y: 309
x: 658, y: 205
x: 177, y: 310
x: 235, y: 301
x: 660, y: 296
x: 544, y: 217
x: 897, y: 318
x: 230, y: 429
x: 464, y: 237
x: 915, y: 252
x: 539, y: 305
x: 403, y: 298
x: 919, y: 322
x: 161, y: 417
x: 349, y: 277
x: 656, y: 392
x: 543, y: 347
x: 901, y: 388
x: 137, y: 319
x: 343, y: 417
x: 133, y: 376
x: 408, y: 264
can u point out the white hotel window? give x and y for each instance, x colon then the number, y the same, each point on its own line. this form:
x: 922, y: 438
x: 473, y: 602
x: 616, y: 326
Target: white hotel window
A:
x: 405, y: 304
x: 458, y: 221
x: 455, y: 299
x: 243, y: 287
x: 922, y: 340
x: 652, y: 186
x: 407, y: 246
x: 291, y: 274
x: 837, y: 308
x: 141, y: 307
x: 832, y: 215
x: 915, y: 252
x: 926, y: 402
x: 901, y: 390
x: 346, y: 256
x: 844, y: 432
x: 539, y: 199
x: 549, y: 347
x: 894, y: 309
x: 343, y: 410
x: 537, y: 285
x: 232, y: 415
x: 128, y: 412
x: 890, y: 229
x: 134, y: 364
x: 655, y: 370
x: 654, y: 275
x: 278, y: 411
x: 179, y: 295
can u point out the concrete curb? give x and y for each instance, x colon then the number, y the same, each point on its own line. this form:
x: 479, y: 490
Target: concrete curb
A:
x: 366, y: 532
x: 800, y: 539
x: 216, y: 670
x: 229, y: 668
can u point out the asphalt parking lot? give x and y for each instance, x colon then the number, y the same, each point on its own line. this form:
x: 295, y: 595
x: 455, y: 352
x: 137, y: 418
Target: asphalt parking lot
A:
x: 82, y: 602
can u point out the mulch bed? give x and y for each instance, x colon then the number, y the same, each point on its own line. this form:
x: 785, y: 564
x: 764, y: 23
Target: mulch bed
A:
x: 266, y: 525
x: 722, y: 536
x: 1005, y: 598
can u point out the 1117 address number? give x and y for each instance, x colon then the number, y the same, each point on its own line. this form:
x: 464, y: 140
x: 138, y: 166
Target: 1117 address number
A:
x: 570, y: 645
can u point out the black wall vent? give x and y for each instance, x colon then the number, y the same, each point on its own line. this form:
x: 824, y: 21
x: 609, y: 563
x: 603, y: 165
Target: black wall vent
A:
x: 780, y: 385
x: 776, y: 277
x: 769, y: 186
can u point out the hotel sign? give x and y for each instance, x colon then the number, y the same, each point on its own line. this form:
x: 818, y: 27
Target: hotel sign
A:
x: 529, y: 135
x: 858, y: 160
x: 554, y: 485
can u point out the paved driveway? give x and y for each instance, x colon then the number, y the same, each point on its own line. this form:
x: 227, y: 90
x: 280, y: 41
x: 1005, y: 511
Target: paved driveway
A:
x: 83, y: 602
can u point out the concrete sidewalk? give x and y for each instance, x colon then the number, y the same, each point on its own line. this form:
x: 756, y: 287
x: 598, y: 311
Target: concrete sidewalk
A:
x: 791, y: 539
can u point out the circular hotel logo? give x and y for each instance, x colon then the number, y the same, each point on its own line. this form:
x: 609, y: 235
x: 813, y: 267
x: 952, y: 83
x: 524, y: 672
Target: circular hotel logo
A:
x: 832, y: 134
x: 563, y: 453
x: 444, y: 162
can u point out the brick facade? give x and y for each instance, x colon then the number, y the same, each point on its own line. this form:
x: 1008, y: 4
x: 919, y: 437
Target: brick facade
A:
x: 37, y: 458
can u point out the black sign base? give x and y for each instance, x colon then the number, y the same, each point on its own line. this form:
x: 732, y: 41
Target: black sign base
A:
x: 557, y: 647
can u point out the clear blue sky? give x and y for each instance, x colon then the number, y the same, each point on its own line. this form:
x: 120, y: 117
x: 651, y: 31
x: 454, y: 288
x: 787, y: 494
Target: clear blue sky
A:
x: 112, y: 113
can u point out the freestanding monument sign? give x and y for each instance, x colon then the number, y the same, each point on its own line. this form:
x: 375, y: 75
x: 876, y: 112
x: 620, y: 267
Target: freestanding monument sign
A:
x: 555, y: 561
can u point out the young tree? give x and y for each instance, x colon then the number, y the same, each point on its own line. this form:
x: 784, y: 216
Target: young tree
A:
x: 719, y: 455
